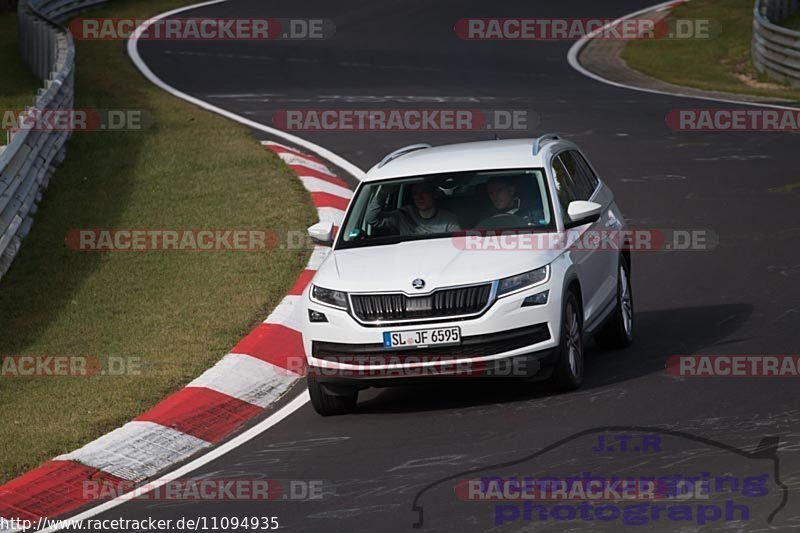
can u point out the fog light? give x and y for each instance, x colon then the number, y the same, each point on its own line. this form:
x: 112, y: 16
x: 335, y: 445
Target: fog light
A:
x: 316, y: 316
x: 539, y: 298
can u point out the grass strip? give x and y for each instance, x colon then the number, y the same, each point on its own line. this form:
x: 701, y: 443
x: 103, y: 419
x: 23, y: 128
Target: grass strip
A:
x: 170, y: 314
x: 720, y: 63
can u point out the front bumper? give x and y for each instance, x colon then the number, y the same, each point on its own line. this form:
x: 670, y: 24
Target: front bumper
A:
x: 537, y: 365
x: 501, y: 341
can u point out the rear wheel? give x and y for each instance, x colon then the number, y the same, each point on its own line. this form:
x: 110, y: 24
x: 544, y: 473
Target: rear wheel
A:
x: 618, y: 332
x: 331, y: 399
x: 568, y: 371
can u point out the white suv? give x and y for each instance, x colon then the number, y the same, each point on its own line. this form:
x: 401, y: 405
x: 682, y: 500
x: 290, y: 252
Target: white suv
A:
x: 467, y: 260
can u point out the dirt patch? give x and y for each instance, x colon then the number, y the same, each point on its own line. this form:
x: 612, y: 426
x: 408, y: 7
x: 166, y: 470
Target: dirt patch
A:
x: 744, y: 74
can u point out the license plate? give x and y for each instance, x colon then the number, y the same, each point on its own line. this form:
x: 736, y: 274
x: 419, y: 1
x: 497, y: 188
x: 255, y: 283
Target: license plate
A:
x: 419, y: 338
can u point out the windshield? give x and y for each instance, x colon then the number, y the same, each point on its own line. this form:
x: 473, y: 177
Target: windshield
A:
x: 441, y: 205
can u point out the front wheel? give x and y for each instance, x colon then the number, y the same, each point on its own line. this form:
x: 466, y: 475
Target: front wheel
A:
x: 568, y: 371
x: 618, y: 332
x: 331, y: 400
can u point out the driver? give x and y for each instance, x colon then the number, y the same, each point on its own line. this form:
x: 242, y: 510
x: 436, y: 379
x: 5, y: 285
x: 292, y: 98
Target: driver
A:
x: 505, y: 201
x: 503, y: 196
x: 423, y: 218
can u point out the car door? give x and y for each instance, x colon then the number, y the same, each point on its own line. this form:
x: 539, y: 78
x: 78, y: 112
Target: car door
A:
x: 594, y: 261
x: 610, y: 225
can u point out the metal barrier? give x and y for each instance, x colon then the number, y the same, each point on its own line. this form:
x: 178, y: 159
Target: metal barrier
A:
x: 32, y: 154
x: 775, y: 49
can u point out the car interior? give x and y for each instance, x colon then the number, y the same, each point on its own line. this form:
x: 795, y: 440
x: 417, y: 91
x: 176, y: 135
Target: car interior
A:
x: 468, y: 199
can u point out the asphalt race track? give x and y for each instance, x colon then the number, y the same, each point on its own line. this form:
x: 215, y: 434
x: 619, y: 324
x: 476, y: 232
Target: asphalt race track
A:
x: 397, y: 460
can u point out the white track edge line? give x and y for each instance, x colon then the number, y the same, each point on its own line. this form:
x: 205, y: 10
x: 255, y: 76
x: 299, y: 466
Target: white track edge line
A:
x: 339, y: 161
x: 302, y: 398
x: 133, y: 52
x: 212, y: 454
x: 575, y: 50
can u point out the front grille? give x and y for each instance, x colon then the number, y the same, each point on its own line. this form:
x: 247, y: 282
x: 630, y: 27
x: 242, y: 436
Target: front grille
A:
x: 471, y: 346
x: 439, y: 304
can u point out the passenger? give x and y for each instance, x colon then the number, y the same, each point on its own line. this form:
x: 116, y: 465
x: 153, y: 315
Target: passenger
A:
x: 423, y: 218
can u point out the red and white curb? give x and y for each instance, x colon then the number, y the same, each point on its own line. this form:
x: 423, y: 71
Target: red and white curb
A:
x: 257, y: 372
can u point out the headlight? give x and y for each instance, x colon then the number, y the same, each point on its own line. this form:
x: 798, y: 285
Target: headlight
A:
x: 329, y: 297
x: 524, y: 280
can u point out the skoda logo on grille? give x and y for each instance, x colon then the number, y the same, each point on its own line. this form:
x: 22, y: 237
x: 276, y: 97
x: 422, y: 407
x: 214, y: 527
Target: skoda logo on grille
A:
x: 418, y: 283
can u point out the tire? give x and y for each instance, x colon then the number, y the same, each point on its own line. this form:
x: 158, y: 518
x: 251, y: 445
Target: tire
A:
x: 568, y: 371
x: 618, y: 332
x: 331, y: 401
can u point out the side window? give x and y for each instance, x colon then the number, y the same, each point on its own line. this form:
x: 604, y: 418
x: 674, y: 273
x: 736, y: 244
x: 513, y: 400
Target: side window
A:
x: 564, y: 186
x: 593, y: 179
x: 582, y: 181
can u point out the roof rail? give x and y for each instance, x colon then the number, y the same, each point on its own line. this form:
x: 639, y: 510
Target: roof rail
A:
x: 403, y: 151
x: 537, y: 144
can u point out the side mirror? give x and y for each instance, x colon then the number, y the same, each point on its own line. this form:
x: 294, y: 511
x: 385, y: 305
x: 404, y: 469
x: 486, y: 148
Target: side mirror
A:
x: 321, y: 231
x: 582, y: 212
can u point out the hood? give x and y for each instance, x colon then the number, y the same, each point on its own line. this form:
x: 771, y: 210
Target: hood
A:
x: 440, y: 262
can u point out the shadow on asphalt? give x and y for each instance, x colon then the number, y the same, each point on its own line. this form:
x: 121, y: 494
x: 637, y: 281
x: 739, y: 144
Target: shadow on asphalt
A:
x: 659, y: 335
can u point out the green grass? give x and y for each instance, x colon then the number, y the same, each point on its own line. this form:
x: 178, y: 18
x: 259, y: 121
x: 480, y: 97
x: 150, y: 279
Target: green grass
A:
x: 18, y: 85
x: 721, y: 63
x: 179, y: 312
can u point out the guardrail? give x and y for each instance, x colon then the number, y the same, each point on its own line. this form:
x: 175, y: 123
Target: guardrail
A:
x: 775, y: 49
x: 29, y: 160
